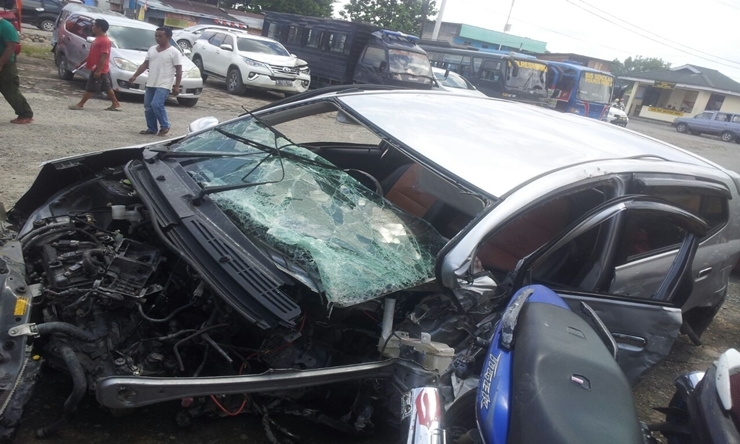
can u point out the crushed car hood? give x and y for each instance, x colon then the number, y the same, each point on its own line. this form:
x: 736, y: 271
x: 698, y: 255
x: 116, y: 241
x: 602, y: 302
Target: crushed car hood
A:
x: 139, y: 56
x: 272, y: 59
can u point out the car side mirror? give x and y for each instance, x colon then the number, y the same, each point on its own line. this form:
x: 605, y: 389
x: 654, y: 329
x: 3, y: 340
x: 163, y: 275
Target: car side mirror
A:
x: 383, y: 66
x: 202, y: 123
x: 187, y: 52
x: 90, y: 39
x: 227, y: 47
x: 293, y: 55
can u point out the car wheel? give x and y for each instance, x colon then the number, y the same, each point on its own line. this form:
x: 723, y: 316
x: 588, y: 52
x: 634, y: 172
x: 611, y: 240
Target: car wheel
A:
x: 184, y: 44
x: 198, y: 62
x: 727, y: 136
x: 46, y: 25
x: 63, y: 69
x: 682, y: 127
x: 187, y: 102
x: 234, y: 84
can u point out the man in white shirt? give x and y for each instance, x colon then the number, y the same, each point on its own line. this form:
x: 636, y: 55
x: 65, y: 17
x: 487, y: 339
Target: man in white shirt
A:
x: 164, y: 62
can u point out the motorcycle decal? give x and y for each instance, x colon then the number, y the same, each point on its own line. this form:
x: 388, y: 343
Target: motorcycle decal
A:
x: 488, y: 376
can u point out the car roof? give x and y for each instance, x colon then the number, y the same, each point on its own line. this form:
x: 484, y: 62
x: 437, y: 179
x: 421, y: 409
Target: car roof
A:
x: 113, y: 18
x: 497, y: 145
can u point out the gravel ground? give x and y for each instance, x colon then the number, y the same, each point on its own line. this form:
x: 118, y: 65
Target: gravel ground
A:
x: 59, y: 132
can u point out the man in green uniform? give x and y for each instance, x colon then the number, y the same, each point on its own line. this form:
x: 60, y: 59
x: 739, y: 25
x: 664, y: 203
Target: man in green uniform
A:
x: 9, y: 81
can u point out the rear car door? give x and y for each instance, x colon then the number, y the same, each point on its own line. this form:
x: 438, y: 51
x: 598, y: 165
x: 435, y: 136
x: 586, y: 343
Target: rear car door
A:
x: 202, y: 48
x: 211, y: 56
x: 222, y: 57
x: 79, y: 28
x: 577, y: 262
x: 490, y: 78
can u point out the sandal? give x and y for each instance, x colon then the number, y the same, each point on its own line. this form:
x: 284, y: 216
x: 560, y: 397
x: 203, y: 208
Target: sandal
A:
x: 163, y: 132
x: 111, y: 108
x: 146, y: 131
x: 75, y: 107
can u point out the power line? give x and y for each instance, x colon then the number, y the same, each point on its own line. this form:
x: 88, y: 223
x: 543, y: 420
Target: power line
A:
x: 659, y: 36
x: 735, y: 66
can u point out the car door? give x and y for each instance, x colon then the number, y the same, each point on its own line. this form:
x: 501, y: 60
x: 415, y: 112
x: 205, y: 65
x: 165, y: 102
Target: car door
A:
x: 701, y: 122
x: 77, y: 47
x: 490, y: 78
x: 222, y: 56
x: 720, y: 123
x: 644, y: 323
x: 211, y: 55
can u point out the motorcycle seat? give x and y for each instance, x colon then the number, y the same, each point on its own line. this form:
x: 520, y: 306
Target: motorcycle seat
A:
x: 566, y: 386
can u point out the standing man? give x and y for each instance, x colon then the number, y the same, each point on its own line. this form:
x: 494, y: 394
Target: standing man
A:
x: 97, y: 63
x: 165, y: 64
x: 10, y: 84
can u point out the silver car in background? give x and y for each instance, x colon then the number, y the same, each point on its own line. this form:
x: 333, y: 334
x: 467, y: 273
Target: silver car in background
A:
x: 130, y: 40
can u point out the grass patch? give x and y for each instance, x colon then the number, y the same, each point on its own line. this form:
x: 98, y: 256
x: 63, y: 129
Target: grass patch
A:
x: 36, y: 51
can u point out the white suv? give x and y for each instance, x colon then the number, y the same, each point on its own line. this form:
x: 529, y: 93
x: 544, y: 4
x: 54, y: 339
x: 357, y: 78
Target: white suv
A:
x: 249, y: 61
x: 186, y: 37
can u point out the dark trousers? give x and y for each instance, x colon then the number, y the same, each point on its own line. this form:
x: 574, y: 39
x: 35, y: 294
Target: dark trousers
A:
x: 10, y: 87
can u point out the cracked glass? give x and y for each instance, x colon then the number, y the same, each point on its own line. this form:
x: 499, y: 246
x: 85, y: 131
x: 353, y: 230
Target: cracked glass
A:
x: 353, y: 243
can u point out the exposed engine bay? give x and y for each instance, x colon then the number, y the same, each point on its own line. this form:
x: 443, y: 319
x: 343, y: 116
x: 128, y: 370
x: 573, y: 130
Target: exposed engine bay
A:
x: 108, y: 299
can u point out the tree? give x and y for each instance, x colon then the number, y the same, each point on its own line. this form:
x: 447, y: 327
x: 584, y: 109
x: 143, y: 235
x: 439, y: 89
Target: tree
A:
x: 638, y: 64
x: 398, y: 15
x: 313, y: 8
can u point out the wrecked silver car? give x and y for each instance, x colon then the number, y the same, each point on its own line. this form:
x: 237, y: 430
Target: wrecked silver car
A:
x: 326, y: 254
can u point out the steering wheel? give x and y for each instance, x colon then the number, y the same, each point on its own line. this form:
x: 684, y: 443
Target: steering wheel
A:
x: 366, y: 175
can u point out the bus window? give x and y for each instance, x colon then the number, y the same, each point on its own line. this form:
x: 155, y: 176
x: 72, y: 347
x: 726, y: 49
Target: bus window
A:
x: 476, y: 64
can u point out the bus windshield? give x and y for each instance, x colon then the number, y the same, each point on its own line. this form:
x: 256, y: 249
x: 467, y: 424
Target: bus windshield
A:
x: 530, y: 76
x: 595, y: 87
x: 408, y: 62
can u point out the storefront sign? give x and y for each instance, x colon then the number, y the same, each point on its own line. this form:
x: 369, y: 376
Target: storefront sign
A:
x: 178, y: 20
x: 672, y: 112
x: 664, y: 85
x: 599, y: 79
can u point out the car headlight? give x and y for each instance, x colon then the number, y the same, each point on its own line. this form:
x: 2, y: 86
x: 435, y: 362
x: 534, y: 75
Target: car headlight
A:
x: 304, y: 70
x: 193, y: 73
x: 125, y: 65
x: 255, y: 63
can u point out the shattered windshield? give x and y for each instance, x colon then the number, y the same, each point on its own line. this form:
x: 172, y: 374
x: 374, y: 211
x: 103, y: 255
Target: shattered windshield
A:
x: 530, y: 76
x: 354, y: 244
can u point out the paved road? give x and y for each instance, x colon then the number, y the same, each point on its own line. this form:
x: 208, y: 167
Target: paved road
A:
x: 722, y: 153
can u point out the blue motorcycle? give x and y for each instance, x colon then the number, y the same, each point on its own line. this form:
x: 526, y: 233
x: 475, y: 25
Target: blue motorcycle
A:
x: 548, y: 377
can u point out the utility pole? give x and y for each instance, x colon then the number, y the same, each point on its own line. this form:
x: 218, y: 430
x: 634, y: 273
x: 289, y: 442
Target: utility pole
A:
x: 438, y: 23
x: 507, y: 26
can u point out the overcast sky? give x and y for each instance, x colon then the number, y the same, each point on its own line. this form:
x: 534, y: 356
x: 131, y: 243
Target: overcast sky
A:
x: 701, y: 33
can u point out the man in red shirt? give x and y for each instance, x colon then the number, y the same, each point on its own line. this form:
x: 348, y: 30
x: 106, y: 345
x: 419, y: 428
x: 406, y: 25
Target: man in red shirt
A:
x: 97, y: 63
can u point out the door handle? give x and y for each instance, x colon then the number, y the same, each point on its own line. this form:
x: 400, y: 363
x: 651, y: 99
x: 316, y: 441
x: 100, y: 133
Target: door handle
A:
x: 703, y: 273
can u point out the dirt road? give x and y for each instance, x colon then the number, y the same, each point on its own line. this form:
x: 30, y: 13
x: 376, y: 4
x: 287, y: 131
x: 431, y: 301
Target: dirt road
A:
x: 59, y: 132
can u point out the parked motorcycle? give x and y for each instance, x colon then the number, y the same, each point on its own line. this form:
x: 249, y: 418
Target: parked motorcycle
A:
x: 706, y: 406
x: 548, y: 376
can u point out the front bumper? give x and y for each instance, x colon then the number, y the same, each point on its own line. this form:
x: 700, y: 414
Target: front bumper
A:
x: 620, y: 121
x: 275, y: 82
x: 189, y: 87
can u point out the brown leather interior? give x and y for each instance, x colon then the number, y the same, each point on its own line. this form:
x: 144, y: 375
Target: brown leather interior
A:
x: 525, y: 234
x: 406, y: 195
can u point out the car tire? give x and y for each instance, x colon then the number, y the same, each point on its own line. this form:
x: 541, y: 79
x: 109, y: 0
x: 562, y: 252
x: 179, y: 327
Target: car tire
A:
x: 682, y: 127
x: 198, y: 62
x: 187, y: 102
x: 234, y: 83
x: 62, y: 69
x: 46, y: 25
x: 727, y: 136
x: 184, y: 44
